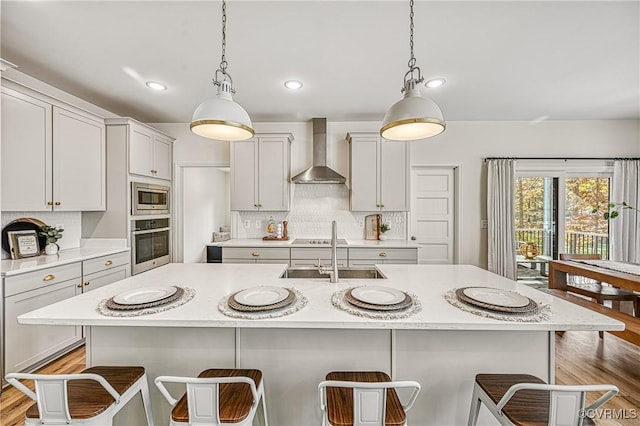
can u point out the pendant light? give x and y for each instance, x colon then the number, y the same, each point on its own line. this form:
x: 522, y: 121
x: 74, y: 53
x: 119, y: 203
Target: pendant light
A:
x: 221, y: 117
x: 412, y: 117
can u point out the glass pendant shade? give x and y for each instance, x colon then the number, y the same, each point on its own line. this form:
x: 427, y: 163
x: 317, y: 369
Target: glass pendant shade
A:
x: 221, y: 118
x: 412, y: 118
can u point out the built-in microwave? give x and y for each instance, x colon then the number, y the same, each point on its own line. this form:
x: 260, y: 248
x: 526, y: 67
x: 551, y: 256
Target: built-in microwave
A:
x: 148, y: 198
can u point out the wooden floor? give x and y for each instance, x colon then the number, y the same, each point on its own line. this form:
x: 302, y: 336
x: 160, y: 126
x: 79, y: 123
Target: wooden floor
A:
x: 581, y: 358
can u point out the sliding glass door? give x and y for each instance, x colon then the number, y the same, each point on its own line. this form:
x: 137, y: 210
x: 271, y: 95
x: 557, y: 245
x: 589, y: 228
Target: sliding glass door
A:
x: 553, y: 214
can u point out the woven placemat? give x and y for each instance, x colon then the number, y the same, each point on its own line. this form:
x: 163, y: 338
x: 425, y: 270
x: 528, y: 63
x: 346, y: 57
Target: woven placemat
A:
x: 529, y: 308
x: 187, y: 295
x: 408, y: 301
x: 120, y: 307
x: 300, y: 301
x: 339, y: 300
x: 542, y: 313
x: 234, y: 304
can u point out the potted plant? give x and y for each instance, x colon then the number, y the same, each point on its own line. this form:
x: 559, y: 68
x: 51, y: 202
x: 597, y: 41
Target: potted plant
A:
x: 52, y: 234
x: 384, y: 228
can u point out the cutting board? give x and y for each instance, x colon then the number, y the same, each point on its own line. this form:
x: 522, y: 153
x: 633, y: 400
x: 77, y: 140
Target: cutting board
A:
x: 372, y: 226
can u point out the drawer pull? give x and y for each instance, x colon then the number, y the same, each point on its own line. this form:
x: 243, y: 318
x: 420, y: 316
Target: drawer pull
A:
x: 48, y: 277
x: 87, y: 283
x: 255, y: 253
x: 382, y: 254
x: 108, y: 262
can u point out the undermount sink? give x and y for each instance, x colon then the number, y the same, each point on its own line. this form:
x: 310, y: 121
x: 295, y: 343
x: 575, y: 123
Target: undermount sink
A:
x: 346, y: 273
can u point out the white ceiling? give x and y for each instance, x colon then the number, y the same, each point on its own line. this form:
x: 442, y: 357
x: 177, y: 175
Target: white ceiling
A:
x: 503, y: 60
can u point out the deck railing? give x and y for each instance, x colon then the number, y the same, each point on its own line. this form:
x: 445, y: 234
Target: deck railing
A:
x: 574, y: 242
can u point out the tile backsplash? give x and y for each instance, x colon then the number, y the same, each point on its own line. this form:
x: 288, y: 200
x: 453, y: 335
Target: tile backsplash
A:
x: 313, y: 208
x: 71, y: 221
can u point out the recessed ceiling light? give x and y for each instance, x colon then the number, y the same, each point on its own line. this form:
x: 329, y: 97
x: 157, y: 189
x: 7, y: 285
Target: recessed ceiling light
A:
x: 156, y: 86
x: 435, y: 82
x: 293, y: 84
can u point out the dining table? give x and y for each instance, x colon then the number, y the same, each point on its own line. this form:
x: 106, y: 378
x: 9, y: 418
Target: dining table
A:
x: 618, y: 274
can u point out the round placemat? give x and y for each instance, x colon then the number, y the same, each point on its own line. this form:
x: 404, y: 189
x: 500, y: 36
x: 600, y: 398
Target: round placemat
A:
x: 408, y: 301
x: 339, y: 300
x: 531, y: 307
x: 234, y: 304
x: 300, y: 301
x: 133, y: 307
x: 187, y: 295
x: 542, y: 313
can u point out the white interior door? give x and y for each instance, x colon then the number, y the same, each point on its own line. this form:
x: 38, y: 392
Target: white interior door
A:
x: 433, y: 194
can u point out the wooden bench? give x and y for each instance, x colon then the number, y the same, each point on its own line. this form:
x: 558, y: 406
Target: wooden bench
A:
x: 631, y: 332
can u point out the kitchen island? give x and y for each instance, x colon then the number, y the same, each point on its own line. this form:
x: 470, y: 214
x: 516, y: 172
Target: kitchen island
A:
x: 442, y: 347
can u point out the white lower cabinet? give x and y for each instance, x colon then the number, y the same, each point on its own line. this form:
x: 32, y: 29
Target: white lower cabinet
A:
x: 255, y: 255
x: 104, y: 270
x: 28, y: 345
x: 309, y: 257
x: 371, y: 256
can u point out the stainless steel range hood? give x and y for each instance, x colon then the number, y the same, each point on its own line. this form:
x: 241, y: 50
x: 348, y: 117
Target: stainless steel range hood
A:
x: 319, y: 172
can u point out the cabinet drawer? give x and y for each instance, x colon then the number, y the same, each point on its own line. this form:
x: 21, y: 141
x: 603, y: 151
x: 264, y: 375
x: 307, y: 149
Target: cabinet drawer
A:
x: 383, y: 254
x: 45, y: 277
x: 105, y: 262
x: 102, y: 278
x: 255, y: 253
x: 315, y: 253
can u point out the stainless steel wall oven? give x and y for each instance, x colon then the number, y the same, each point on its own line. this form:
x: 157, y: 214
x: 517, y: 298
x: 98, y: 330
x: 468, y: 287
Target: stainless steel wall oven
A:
x: 150, y: 244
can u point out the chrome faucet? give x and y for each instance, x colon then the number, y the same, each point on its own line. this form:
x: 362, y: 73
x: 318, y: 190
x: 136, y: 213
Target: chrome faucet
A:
x: 333, y: 272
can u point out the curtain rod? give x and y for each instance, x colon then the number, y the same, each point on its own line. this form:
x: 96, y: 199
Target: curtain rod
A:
x: 561, y: 158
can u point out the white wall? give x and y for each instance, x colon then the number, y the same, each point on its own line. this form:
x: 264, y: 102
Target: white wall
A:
x: 466, y: 143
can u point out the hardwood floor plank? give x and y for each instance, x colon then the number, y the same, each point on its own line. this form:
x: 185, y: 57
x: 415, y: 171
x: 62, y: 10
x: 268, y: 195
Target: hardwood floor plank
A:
x: 581, y: 358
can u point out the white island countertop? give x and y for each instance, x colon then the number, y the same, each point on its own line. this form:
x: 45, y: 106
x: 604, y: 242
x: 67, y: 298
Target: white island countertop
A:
x: 213, y: 282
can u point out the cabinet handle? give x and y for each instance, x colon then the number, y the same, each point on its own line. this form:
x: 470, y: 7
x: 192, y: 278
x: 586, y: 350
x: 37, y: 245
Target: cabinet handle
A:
x: 57, y: 203
x: 87, y: 283
x: 48, y: 277
x: 80, y: 285
x: 255, y: 253
x: 255, y: 205
x: 50, y: 203
x: 382, y: 254
x: 108, y: 262
x: 382, y: 205
x: 377, y: 205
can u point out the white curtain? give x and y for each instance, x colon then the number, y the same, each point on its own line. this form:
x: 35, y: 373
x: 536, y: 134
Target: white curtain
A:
x: 501, y: 175
x: 625, y: 229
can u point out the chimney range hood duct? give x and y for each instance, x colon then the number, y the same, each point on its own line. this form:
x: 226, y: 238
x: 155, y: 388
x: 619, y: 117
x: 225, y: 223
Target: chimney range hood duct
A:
x: 319, y: 172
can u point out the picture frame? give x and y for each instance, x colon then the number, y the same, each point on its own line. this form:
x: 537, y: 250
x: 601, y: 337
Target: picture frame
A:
x: 23, y: 244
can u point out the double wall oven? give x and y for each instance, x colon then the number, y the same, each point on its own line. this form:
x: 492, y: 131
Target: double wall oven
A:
x: 150, y: 226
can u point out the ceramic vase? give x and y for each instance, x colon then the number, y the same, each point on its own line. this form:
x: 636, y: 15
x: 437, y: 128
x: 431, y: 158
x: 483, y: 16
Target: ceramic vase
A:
x: 51, y: 248
x: 382, y: 237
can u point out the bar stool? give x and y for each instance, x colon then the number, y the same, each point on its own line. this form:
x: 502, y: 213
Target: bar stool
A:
x: 354, y: 398
x: 518, y: 399
x: 217, y: 396
x: 92, y: 397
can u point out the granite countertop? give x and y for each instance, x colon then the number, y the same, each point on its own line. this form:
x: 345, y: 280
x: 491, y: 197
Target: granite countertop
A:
x: 89, y: 249
x: 257, y: 242
x: 213, y: 282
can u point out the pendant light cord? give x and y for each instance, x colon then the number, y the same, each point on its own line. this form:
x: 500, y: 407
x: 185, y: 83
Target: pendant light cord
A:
x: 409, y: 78
x: 217, y: 80
x: 223, y: 60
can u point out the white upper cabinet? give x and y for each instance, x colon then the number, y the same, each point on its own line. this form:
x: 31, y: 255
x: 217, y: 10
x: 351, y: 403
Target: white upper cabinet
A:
x: 149, y: 153
x: 260, y: 172
x: 378, y: 178
x: 53, y: 156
